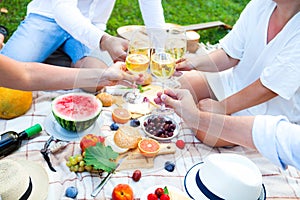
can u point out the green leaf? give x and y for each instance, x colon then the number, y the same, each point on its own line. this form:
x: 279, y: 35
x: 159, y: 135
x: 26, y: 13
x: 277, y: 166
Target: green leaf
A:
x: 166, y: 191
x: 142, y: 89
x: 101, y: 157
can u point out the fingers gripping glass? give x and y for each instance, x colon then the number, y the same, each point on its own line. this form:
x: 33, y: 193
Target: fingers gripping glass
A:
x: 137, y: 61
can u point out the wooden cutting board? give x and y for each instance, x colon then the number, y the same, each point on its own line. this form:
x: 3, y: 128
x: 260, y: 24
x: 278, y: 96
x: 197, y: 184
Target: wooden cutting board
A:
x: 135, y: 160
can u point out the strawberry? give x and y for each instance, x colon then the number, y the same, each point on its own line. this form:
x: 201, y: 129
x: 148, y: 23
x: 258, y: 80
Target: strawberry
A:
x: 180, y: 144
x: 152, y: 196
x: 164, y: 197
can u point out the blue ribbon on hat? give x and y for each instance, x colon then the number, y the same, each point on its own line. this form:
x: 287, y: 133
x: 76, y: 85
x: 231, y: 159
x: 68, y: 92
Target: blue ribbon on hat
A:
x: 205, y: 190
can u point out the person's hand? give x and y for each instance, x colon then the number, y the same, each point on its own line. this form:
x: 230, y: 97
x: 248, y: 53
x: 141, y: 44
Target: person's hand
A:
x: 185, y: 64
x: 115, y: 46
x: 210, y: 105
x: 182, y: 102
x: 117, y: 74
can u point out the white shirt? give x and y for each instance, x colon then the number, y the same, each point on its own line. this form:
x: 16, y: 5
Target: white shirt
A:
x: 277, y: 139
x: 86, y: 20
x: 277, y: 63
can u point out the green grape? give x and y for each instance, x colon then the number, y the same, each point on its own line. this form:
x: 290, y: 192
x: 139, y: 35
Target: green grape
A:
x: 81, y: 169
x: 78, y: 157
x: 73, y: 161
x: 68, y: 163
x: 76, y: 167
x: 81, y: 163
x: 72, y: 168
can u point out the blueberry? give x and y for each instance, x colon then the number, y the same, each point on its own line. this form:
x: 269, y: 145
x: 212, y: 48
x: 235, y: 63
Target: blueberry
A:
x: 114, y: 127
x: 71, y: 192
x: 169, y: 166
x: 135, y: 123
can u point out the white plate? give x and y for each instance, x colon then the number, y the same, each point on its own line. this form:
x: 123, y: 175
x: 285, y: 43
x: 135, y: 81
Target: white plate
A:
x: 175, y: 133
x: 53, y: 128
x: 170, y: 189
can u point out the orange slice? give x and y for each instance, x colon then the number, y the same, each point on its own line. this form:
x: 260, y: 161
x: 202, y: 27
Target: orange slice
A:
x: 149, y: 147
x: 121, y: 115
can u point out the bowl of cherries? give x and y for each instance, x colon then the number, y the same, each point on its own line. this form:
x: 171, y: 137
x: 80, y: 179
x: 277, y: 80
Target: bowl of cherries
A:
x: 160, y: 127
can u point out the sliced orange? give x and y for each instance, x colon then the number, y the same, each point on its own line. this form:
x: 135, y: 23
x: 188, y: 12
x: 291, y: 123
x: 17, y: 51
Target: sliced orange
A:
x: 121, y: 115
x: 149, y: 147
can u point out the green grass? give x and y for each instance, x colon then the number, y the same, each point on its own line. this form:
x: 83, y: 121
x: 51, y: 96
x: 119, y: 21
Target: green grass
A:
x: 126, y: 12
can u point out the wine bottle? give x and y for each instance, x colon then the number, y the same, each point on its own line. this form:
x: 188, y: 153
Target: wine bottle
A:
x: 11, y: 140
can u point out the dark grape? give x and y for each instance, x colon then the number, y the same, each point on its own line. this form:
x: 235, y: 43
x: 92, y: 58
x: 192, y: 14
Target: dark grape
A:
x: 159, y: 126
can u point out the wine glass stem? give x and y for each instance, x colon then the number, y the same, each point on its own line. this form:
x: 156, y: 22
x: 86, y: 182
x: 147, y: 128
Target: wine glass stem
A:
x: 163, y: 105
x: 134, y: 89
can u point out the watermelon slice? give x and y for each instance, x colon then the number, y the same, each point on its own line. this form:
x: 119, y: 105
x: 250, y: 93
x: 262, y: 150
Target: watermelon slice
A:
x: 76, y: 111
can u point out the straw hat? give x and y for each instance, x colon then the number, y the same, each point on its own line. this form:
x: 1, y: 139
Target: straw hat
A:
x: 22, y: 179
x: 225, y: 176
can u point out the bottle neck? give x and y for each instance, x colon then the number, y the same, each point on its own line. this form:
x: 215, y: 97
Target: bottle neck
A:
x: 30, y: 131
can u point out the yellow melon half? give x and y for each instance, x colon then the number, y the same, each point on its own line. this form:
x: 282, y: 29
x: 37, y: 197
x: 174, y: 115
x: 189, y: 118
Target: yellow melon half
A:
x: 14, y: 103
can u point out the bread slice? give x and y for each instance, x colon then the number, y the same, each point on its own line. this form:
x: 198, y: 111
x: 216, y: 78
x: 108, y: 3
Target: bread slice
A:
x: 127, y: 137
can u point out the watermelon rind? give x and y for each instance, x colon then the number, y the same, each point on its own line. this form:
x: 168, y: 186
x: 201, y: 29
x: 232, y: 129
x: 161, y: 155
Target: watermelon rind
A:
x: 76, y: 125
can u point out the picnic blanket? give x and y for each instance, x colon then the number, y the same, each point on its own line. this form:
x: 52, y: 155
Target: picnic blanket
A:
x: 279, y: 184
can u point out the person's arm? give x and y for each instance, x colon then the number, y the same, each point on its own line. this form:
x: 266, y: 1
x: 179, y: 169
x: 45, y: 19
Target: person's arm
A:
x: 237, y: 130
x: 278, y: 140
x: 274, y: 137
x: 153, y: 13
x: 69, y: 17
x: 216, y: 61
x: 254, y: 94
x: 90, y: 30
x: 38, y: 76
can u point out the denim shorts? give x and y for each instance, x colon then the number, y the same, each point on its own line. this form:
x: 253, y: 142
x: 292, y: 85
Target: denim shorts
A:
x: 37, y: 37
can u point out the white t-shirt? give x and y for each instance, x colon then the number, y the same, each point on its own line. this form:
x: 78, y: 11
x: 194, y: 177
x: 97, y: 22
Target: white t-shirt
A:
x: 86, y: 20
x: 277, y: 139
x: 277, y: 63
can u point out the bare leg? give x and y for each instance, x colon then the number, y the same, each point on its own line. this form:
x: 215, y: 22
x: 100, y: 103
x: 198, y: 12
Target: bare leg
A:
x: 197, y: 84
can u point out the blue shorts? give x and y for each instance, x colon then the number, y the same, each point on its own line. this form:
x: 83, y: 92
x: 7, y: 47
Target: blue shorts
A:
x: 37, y: 37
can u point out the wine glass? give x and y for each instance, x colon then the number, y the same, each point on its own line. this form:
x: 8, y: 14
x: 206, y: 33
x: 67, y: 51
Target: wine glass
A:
x: 162, y: 66
x: 137, y: 61
x: 176, y: 45
x: 176, y: 42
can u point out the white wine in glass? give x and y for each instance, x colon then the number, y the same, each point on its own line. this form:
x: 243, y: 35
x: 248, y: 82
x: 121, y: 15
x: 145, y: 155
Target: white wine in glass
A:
x: 162, y: 66
x: 137, y: 61
x: 176, y: 42
x: 176, y: 45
